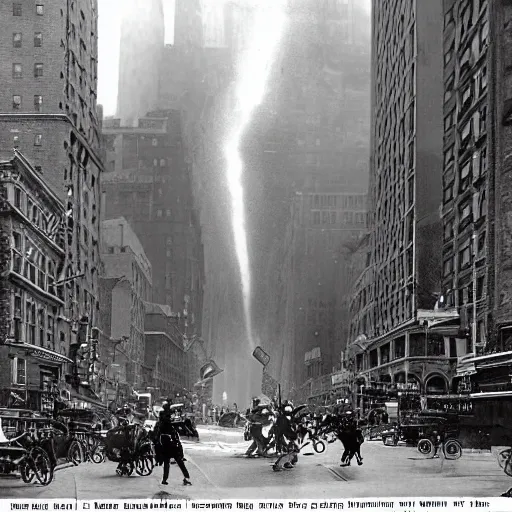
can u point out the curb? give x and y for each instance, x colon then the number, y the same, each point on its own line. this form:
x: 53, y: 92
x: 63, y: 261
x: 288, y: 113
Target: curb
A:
x: 471, y: 451
x: 64, y: 466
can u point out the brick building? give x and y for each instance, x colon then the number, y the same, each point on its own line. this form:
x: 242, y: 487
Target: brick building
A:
x: 48, y: 110
x: 149, y: 184
x: 34, y: 328
x: 465, y: 178
x: 404, y: 340
x: 476, y: 180
x: 125, y: 261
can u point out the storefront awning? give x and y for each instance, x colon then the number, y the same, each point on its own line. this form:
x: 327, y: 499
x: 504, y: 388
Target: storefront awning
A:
x: 466, y: 369
x: 41, y: 353
x: 494, y: 364
x: 80, y: 397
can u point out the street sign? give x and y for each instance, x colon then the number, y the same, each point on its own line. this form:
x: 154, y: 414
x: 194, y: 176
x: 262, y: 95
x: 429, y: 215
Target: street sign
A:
x: 261, y: 356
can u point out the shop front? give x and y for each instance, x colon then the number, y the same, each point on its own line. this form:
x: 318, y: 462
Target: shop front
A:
x: 31, y: 377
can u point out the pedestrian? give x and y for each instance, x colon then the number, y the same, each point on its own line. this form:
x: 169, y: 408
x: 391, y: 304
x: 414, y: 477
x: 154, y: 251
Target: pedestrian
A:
x: 350, y: 438
x: 168, y: 445
x: 256, y: 417
x: 359, y: 440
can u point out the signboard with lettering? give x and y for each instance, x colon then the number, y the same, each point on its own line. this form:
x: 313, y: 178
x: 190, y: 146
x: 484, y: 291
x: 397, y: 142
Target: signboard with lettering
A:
x: 47, y: 355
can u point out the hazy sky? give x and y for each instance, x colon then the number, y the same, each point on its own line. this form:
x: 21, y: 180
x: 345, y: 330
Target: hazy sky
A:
x: 108, y: 46
x: 109, y: 33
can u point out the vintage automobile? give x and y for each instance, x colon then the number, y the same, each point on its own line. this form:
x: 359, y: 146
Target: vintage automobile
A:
x: 420, y: 425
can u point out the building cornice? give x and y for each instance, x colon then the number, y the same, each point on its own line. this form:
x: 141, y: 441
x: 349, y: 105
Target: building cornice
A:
x: 402, y: 360
x: 38, y: 231
x: 62, y: 118
x: 161, y: 333
x: 33, y: 175
x: 35, y: 289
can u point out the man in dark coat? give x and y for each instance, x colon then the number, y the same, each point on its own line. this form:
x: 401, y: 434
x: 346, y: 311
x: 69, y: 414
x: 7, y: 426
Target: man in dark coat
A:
x: 351, y: 438
x: 168, y: 445
x: 259, y: 416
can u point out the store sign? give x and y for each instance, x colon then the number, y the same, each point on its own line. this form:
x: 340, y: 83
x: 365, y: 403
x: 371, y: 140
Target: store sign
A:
x: 48, y: 356
x: 340, y: 378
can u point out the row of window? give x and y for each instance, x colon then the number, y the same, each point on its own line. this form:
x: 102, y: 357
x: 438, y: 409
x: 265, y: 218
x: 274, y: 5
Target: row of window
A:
x: 17, y: 9
x: 17, y: 70
x: 33, y: 322
x: 44, y: 220
x: 332, y: 217
x: 38, y: 141
x: 483, y: 39
x: 17, y: 39
x: 340, y: 200
x: 17, y: 101
x: 464, y: 259
x: 471, y: 169
x: 160, y: 213
x: 31, y: 263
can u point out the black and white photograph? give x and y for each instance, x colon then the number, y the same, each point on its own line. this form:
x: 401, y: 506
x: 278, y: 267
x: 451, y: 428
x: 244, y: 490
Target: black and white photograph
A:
x: 256, y: 250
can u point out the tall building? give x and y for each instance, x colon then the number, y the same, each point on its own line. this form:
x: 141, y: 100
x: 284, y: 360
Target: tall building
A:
x: 467, y: 264
x: 476, y: 200
x: 125, y: 261
x: 34, y: 331
x: 48, y: 111
x: 327, y: 222
x: 140, y: 57
x: 149, y: 184
x: 403, y: 341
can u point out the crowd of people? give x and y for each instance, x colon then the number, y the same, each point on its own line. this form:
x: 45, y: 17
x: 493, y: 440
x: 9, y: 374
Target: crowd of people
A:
x: 290, y: 429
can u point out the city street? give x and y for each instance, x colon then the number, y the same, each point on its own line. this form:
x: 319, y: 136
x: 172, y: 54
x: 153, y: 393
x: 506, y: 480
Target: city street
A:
x: 218, y: 471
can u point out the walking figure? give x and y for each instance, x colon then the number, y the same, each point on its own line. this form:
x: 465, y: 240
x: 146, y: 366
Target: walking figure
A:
x: 168, y: 445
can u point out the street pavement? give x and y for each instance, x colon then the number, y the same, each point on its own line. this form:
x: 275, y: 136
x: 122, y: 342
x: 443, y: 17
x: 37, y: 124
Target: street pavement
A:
x: 219, y: 470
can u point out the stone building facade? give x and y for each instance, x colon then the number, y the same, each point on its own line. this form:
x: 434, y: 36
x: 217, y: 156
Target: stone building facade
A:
x: 125, y: 261
x: 476, y: 187
x: 34, y: 329
x: 476, y: 203
x: 48, y: 111
x: 402, y: 338
x: 466, y: 186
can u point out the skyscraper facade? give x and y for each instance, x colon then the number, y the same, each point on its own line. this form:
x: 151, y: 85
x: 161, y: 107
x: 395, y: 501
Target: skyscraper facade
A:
x: 476, y: 181
x: 405, y: 193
